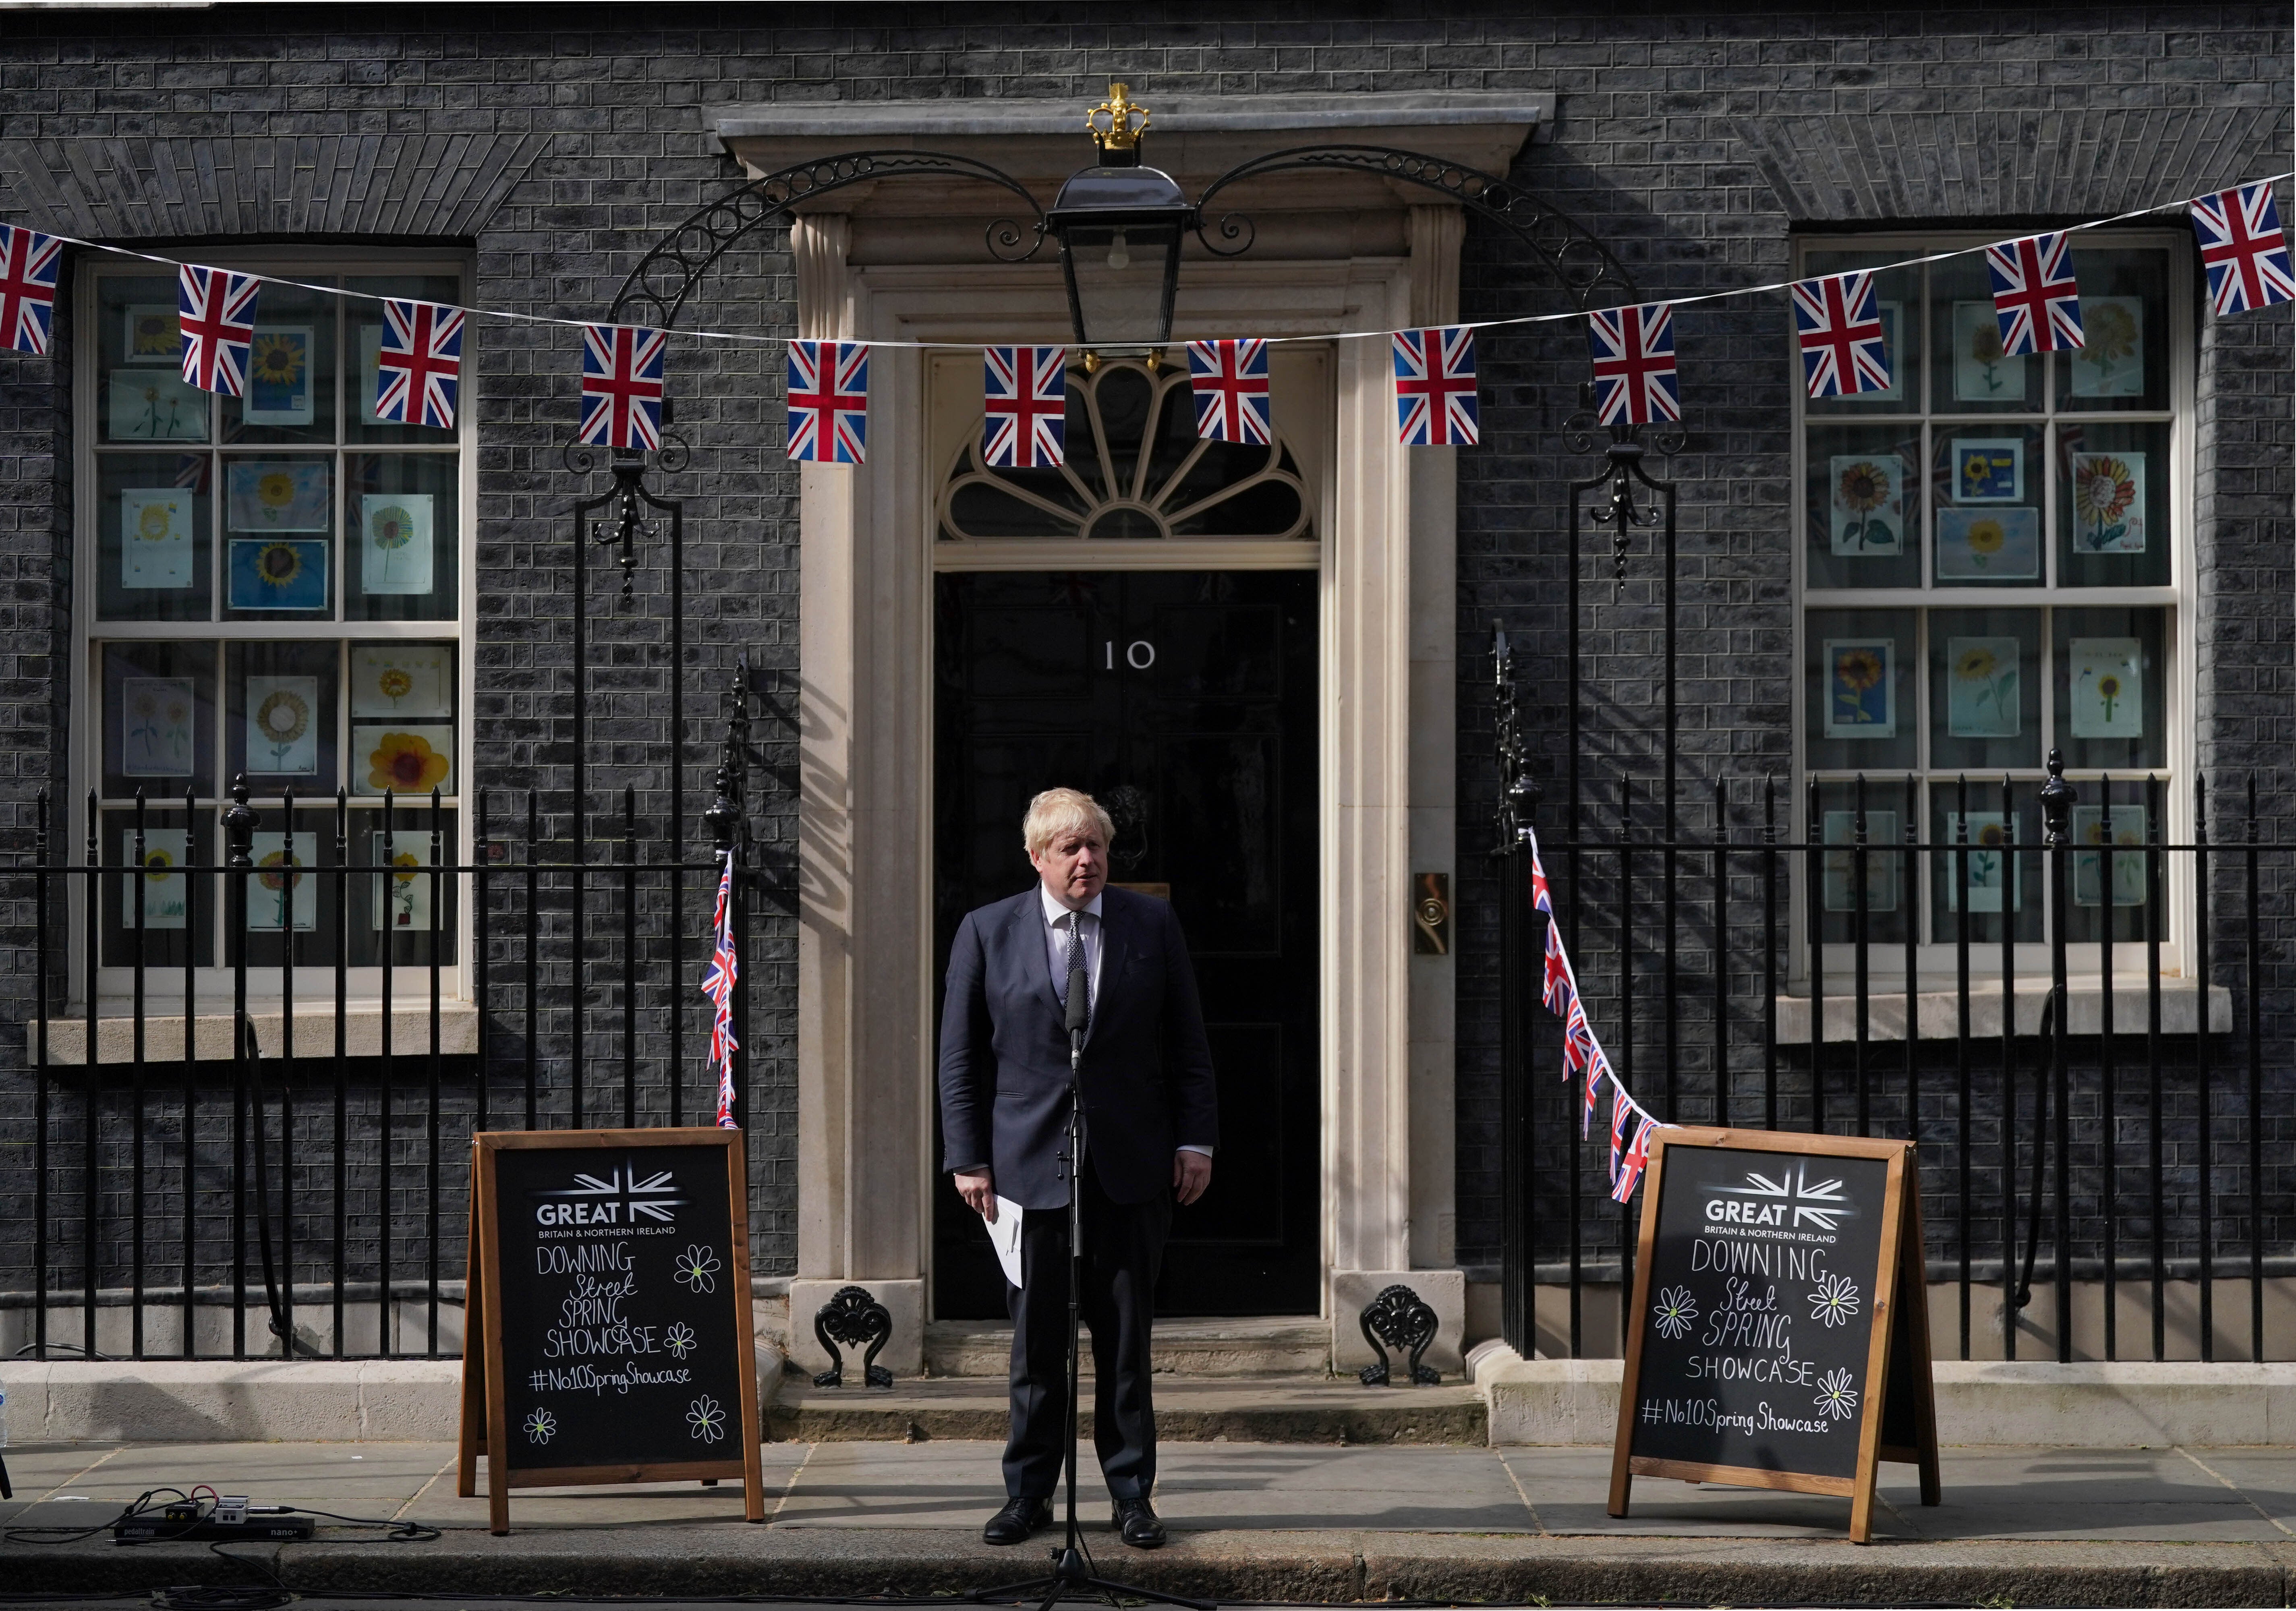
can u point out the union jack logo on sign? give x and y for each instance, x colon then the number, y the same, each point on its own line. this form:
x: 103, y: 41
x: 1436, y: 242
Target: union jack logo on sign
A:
x: 1230, y: 381
x: 1634, y: 381
x: 29, y: 261
x: 1842, y: 349
x: 1435, y: 401
x: 622, y: 386
x: 828, y: 402
x: 1025, y: 425
x: 216, y: 311
x: 2242, y: 248
x: 418, y: 368
x: 2034, y: 295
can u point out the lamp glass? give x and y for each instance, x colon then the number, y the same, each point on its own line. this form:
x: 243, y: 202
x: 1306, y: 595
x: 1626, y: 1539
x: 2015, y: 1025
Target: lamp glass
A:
x: 1122, y: 275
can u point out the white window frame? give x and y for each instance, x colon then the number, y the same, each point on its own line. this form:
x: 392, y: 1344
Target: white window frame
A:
x: 1937, y: 961
x: 315, y: 983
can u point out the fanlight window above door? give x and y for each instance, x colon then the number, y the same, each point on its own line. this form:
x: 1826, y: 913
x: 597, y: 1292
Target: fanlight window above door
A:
x: 1136, y: 470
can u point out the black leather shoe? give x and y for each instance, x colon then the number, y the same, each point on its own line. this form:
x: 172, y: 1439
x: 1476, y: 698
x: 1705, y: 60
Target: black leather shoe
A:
x: 1136, y: 1520
x: 1016, y: 1521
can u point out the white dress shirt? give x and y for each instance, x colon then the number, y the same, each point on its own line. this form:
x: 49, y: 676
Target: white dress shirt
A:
x: 1056, y: 954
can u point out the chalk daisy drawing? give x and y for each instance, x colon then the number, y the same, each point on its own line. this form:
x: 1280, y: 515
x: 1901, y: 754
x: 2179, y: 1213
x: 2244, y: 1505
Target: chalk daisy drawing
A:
x: 679, y: 1339
x: 708, y: 1419
x: 1835, y: 1396
x: 1833, y: 1300
x: 541, y: 1427
x: 697, y: 1267
x: 1676, y: 1310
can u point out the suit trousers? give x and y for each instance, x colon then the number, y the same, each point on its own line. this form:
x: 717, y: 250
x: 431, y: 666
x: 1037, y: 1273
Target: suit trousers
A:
x: 1123, y: 1249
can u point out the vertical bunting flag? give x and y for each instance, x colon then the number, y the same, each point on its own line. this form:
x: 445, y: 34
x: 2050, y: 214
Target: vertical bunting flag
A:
x: 1842, y: 349
x: 1634, y: 381
x: 418, y: 366
x: 1637, y: 1158
x: 718, y: 985
x: 1580, y: 1048
x: 1435, y: 404
x: 216, y: 310
x: 29, y: 261
x: 1622, y: 1117
x: 1230, y: 382
x: 829, y: 402
x: 622, y: 386
x: 2034, y: 294
x: 1024, y: 425
x: 2242, y: 248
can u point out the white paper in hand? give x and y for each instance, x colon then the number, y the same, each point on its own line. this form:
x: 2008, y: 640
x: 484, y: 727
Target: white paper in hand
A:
x: 1004, y: 1232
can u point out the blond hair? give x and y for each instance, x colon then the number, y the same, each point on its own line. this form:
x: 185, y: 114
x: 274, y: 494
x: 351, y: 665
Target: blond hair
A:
x: 1059, y: 811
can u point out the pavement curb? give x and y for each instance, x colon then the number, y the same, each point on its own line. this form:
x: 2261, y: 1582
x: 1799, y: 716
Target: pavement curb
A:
x: 1343, y: 1568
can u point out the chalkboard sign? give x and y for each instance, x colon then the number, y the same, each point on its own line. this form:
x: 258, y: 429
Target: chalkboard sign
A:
x: 608, y: 1331
x: 1772, y: 1343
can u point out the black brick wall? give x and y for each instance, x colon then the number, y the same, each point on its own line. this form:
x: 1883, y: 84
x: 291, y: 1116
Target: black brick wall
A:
x: 1694, y: 139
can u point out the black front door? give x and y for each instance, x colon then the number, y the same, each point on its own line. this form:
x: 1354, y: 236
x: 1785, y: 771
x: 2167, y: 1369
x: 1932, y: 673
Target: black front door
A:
x: 1185, y: 703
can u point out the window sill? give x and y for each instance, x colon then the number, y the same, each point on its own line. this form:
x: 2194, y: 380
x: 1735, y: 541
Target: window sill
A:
x: 211, y: 1034
x: 1939, y: 1011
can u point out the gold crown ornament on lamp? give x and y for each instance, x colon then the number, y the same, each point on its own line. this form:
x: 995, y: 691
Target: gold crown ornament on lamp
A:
x: 1112, y: 127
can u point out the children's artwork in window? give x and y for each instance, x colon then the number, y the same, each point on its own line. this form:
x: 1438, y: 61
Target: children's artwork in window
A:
x: 280, y: 896
x: 1993, y: 866
x: 282, y: 726
x: 279, y: 377
x: 2107, y: 502
x: 1868, y: 504
x: 2111, y: 364
x: 290, y: 496
x: 161, y: 890
x: 395, y: 549
x: 155, y: 727
x: 1989, y: 544
x: 1861, y: 688
x: 407, y: 759
x: 395, y: 680
x: 1988, y: 469
x: 1981, y: 676
x: 1881, y: 862
x: 403, y: 895
x: 2089, y: 865
x: 155, y: 405
x: 2107, y: 680
x: 152, y: 334
x: 155, y: 537
x: 281, y: 573
x: 1981, y: 373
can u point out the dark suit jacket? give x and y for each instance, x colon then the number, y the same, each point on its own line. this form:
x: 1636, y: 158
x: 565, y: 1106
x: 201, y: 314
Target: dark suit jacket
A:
x: 1005, y: 1054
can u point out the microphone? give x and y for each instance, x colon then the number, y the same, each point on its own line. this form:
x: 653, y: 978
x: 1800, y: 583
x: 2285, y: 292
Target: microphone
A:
x: 1079, y: 1001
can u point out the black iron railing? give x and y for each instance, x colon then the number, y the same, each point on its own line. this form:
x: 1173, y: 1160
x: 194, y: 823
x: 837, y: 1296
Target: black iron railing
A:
x: 2101, y: 1147
x: 244, y: 1174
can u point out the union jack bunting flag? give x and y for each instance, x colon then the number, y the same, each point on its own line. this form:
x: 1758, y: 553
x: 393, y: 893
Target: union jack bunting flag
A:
x: 2034, y: 294
x: 1230, y: 379
x: 29, y: 261
x: 1561, y: 992
x: 829, y: 402
x: 1025, y: 426
x: 1598, y: 1067
x: 622, y: 386
x: 216, y: 311
x: 1622, y: 1113
x: 2241, y: 247
x: 1634, y: 381
x: 1842, y: 349
x: 1435, y: 388
x: 1630, y: 1167
x: 418, y: 368
x: 718, y: 985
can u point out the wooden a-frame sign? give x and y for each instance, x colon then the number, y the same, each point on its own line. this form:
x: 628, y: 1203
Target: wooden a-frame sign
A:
x: 1779, y: 1333
x: 608, y: 1331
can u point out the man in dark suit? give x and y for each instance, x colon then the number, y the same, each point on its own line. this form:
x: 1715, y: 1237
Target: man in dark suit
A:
x: 1150, y: 1122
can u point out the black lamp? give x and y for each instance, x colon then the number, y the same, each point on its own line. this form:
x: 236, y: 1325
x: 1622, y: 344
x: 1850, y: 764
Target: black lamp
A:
x: 1119, y: 225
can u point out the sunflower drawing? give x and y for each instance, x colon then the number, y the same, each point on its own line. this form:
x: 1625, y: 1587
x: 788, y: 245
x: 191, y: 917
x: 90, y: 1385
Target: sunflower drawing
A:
x: 2103, y: 488
x: 274, y: 494
x: 156, y: 520
x: 1985, y: 351
x: 282, y: 718
x: 402, y: 888
x: 278, y: 360
x: 1985, y: 539
x: 1856, y: 672
x: 394, y: 684
x: 390, y: 529
x: 1989, y: 681
x: 159, y: 859
x: 405, y: 763
x: 2108, y: 689
x: 1862, y: 489
x: 2111, y: 336
x: 278, y: 564
x: 278, y: 877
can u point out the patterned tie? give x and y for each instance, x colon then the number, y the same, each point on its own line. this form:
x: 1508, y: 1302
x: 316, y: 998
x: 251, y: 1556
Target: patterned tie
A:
x: 1074, y: 960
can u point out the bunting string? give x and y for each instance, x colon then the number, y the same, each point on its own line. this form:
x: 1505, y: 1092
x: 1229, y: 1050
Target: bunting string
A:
x: 1436, y: 383
x: 1631, y: 1124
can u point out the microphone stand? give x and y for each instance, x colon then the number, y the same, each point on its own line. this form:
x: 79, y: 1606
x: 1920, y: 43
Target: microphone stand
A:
x: 1072, y: 1575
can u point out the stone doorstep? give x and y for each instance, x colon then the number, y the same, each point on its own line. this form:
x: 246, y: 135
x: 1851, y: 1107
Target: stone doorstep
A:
x: 1268, y: 1410
x: 1287, y: 1346
x: 2091, y: 1404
